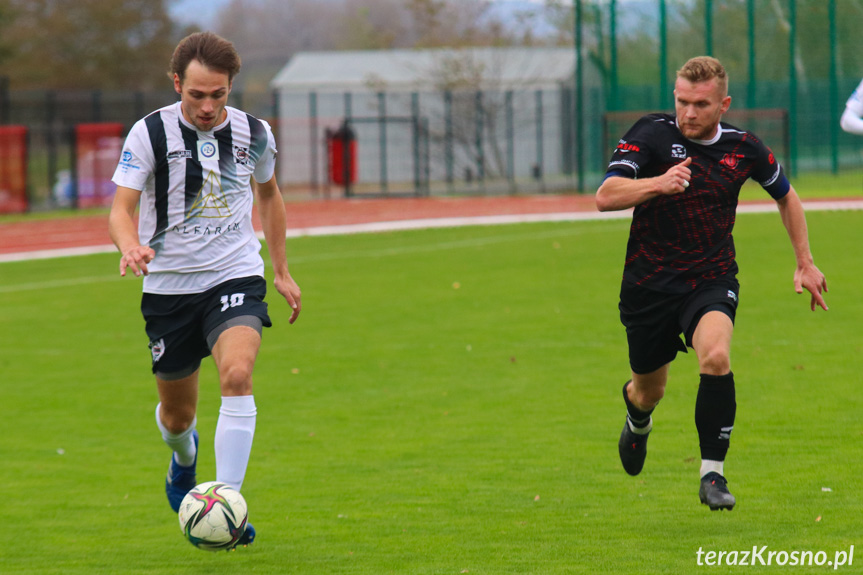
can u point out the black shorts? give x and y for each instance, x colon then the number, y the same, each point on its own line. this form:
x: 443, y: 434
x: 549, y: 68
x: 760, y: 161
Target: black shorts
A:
x: 655, y: 321
x: 183, y: 328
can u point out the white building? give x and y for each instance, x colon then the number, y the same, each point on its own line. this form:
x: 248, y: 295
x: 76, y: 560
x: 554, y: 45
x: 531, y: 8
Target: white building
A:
x: 431, y: 119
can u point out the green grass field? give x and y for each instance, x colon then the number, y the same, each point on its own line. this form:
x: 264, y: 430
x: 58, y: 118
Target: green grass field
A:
x: 448, y: 402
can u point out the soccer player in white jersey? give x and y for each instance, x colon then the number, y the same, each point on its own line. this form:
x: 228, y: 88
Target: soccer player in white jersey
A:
x: 189, y: 167
x: 852, y: 118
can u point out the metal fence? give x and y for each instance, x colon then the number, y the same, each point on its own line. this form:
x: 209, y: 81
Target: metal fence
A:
x: 801, y: 56
x: 52, y: 116
x: 469, y: 142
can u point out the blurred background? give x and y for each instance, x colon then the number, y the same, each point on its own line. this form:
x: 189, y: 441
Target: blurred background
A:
x: 421, y: 97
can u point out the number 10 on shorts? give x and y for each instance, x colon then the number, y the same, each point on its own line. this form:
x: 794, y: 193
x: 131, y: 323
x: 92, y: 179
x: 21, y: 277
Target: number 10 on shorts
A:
x: 234, y: 300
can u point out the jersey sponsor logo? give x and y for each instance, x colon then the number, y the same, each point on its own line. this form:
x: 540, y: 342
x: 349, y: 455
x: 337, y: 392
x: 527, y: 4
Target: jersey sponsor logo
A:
x: 179, y: 154
x: 208, y: 150
x: 127, y: 162
x: 624, y: 147
x: 241, y: 156
x: 626, y: 163
x: 731, y: 161
x: 678, y: 151
x: 211, y: 201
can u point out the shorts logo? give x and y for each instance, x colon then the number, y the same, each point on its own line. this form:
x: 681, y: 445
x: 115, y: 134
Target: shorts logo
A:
x: 732, y: 295
x: 157, y: 348
x: 208, y: 150
x: 678, y: 151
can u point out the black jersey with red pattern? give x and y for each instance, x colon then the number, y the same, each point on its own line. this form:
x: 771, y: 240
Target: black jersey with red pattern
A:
x: 677, y: 241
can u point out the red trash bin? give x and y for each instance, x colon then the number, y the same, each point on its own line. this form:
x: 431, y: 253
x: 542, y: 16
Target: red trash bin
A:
x: 13, y: 169
x: 342, y: 154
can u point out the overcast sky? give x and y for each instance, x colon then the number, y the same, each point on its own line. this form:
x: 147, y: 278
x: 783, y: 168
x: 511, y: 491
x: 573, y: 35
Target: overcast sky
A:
x: 203, y: 12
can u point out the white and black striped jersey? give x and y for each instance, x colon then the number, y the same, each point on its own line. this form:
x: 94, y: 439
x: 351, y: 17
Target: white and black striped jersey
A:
x: 196, y: 200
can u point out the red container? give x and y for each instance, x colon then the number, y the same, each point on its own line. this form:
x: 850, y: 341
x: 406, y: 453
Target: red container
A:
x: 13, y: 169
x: 342, y: 150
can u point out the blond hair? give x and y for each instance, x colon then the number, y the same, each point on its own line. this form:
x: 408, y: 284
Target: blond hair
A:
x: 704, y: 69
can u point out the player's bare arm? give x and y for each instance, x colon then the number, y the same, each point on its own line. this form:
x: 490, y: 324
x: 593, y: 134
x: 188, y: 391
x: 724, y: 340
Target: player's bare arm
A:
x: 271, y: 208
x: 124, y: 232
x: 620, y: 193
x: 807, y: 275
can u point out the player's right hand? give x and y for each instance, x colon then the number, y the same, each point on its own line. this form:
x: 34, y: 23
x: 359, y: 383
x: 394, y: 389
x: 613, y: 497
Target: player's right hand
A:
x: 676, y: 179
x: 137, y: 258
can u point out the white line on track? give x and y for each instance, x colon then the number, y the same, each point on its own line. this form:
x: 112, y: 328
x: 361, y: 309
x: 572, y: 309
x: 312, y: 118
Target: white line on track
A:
x: 428, y: 223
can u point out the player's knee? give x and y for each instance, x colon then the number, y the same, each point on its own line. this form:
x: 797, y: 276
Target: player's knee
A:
x: 236, y: 379
x: 646, y: 398
x: 715, y: 361
x: 177, y: 419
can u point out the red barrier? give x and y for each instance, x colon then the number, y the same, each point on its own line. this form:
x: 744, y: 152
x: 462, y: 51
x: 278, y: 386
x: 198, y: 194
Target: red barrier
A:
x: 97, y: 149
x: 13, y: 169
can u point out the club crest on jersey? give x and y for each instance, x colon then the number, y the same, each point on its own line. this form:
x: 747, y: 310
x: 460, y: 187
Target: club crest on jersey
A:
x: 208, y: 150
x: 678, y: 151
x: 730, y: 161
x: 241, y: 156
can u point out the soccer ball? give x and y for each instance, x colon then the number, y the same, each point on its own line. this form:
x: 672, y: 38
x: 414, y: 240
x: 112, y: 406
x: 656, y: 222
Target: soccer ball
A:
x: 213, y: 516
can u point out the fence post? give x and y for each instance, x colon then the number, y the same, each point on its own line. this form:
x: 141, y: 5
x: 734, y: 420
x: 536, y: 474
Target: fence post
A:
x: 750, y: 88
x: 612, y: 73
x: 510, y: 140
x: 313, y: 142
x: 708, y: 27
x: 834, y: 91
x: 382, y: 132
x: 415, y: 116
x: 792, y: 84
x: 663, y: 54
x: 5, y: 101
x: 538, y: 170
x: 579, y: 95
x: 51, y: 142
x: 347, y: 156
x: 448, y: 141
x: 480, y: 154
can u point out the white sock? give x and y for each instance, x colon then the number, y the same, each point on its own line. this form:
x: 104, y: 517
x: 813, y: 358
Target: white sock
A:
x: 708, y: 465
x: 183, y: 443
x: 640, y: 430
x: 234, y: 433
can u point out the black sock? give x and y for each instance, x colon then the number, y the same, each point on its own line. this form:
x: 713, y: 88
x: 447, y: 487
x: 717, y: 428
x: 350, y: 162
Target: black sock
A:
x: 715, y: 408
x: 636, y: 416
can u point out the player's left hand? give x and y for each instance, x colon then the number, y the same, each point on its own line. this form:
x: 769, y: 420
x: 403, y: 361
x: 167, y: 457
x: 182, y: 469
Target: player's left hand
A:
x: 811, y: 278
x: 291, y: 292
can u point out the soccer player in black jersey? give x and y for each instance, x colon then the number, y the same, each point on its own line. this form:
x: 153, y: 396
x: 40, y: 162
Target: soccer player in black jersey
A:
x: 682, y: 175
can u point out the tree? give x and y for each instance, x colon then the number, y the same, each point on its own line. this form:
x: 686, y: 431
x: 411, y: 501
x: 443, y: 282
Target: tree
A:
x: 67, y: 44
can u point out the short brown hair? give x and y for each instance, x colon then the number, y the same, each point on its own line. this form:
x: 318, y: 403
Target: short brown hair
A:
x: 703, y: 69
x: 209, y: 49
